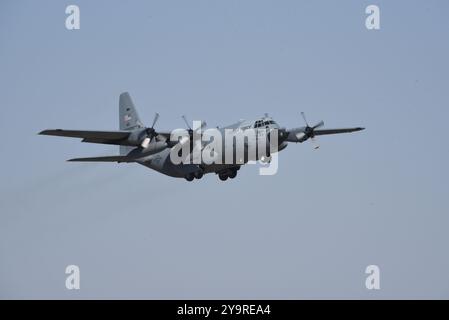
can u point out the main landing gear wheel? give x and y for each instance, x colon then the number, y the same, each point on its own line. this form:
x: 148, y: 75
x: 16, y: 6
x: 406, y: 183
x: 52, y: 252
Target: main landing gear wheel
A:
x: 198, y: 174
x: 223, y: 177
x: 189, y: 177
x: 233, y: 174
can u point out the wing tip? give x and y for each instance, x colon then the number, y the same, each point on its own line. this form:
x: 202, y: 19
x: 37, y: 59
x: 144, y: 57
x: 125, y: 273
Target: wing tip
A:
x: 76, y: 160
x: 49, y: 132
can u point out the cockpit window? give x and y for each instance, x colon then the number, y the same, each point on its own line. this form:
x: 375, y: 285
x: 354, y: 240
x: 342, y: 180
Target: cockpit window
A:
x: 261, y: 123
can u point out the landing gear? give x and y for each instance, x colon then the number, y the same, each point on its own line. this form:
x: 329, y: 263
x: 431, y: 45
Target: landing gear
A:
x: 198, y: 174
x: 194, y: 175
x: 231, y: 174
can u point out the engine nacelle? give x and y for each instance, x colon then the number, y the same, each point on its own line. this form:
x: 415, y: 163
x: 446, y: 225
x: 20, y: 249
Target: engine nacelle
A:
x: 301, y: 136
x: 137, y: 137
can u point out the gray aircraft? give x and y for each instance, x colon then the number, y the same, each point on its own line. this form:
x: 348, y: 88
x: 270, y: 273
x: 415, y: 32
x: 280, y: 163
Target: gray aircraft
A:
x: 151, y: 148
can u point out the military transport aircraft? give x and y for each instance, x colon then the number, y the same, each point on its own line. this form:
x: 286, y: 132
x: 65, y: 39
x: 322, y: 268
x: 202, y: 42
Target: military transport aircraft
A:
x: 151, y: 148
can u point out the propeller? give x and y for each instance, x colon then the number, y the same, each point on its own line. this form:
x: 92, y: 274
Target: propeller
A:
x: 191, y: 131
x: 150, y: 133
x: 187, y: 123
x: 309, y: 132
x: 203, y: 124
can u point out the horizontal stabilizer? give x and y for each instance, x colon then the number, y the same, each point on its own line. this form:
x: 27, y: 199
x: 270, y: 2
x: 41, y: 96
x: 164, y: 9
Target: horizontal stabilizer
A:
x: 103, y: 159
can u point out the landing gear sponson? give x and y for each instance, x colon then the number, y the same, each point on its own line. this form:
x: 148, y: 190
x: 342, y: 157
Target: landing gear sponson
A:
x: 222, y: 175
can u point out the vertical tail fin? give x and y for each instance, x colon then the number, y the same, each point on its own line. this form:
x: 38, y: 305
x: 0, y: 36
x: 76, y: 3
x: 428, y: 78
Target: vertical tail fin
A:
x: 128, y: 118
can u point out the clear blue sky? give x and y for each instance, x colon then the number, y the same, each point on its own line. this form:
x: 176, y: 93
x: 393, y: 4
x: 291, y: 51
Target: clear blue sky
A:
x: 375, y: 197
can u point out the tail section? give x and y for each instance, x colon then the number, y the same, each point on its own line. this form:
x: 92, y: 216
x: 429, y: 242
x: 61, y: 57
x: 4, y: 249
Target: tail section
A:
x: 128, y: 118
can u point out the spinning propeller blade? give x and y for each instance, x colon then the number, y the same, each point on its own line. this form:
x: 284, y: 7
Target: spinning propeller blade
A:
x: 309, y: 131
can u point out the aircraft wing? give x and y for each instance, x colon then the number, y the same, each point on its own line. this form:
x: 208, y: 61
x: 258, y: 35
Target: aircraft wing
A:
x: 320, y: 132
x: 106, y: 137
x: 103, y: 159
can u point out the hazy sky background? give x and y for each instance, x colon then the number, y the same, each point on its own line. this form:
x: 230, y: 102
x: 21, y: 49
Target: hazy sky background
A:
x: 375, y: 197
